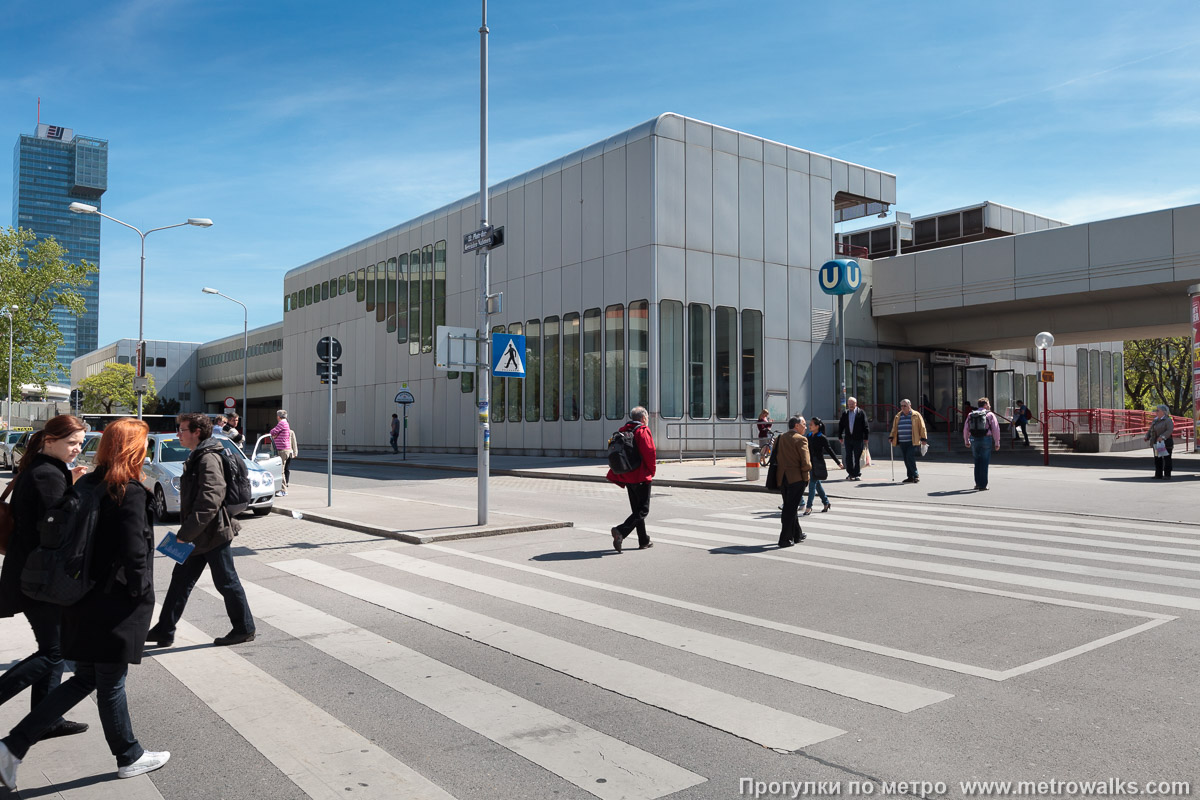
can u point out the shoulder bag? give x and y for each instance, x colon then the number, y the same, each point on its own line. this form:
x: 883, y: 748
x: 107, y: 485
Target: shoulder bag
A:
x: 6, y: 518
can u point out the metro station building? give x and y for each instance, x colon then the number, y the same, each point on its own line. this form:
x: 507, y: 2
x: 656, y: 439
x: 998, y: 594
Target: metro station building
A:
x: 674, y: 265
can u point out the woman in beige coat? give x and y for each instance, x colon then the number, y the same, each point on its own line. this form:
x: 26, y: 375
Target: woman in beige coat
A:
x: 908, y: 431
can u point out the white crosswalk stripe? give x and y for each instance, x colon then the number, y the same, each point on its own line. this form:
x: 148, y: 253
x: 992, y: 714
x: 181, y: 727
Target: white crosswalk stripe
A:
x: 740, y: 717
x: 599, y: 764
x: 831, y: 678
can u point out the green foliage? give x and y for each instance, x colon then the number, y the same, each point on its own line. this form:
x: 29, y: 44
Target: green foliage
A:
x: 36, y: 276
x: 1159, y: 371
x: 112, y: 388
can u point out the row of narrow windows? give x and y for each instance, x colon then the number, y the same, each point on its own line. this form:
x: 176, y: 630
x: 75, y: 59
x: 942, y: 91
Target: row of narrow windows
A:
x: 273, y: 346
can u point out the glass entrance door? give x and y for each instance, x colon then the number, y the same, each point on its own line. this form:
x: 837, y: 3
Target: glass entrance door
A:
x: 1002, y: 392
x: 945, y: 391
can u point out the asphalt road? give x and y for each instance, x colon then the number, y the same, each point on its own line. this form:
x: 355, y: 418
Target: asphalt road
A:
x: 905, y: 642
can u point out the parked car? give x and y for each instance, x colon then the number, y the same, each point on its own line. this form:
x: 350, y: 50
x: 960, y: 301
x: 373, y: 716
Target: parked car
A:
x: 17, y: 450
x: 7, y: 440
x: 164, y: 465
x: 267, y: 457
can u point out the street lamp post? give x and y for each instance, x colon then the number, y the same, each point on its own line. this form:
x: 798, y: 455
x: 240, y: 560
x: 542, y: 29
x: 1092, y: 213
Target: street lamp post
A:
x: 8, y: 312
x: 245, y: 348
x: 1044, y: 341
x: 199, y: 222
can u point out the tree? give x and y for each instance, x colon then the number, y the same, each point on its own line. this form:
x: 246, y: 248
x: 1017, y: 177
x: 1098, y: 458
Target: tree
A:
x: 1159, y: 371
x: 36, y: 276
x: 112, y: 387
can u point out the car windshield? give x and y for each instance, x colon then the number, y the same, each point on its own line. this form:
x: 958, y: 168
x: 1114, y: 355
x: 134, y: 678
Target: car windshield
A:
x: 172, y: 450
x: 14, y: 436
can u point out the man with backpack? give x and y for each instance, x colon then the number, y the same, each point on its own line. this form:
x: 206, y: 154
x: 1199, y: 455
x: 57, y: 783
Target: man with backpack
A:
x: 205, y: 521
x: 981, y: 432
x: 1021, y: 417
x: 631, y: 460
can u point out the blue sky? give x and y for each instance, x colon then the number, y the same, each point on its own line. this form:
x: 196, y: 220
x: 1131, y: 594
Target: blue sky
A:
x: 302, y: 127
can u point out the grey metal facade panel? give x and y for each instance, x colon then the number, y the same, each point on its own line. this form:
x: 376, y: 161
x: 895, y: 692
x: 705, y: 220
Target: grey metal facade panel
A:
x: 669, y: 195
x: 750, y: 208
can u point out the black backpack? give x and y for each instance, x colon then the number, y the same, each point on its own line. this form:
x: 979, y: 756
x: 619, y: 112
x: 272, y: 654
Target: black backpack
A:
x: 58, y: 571
x: 977, y: 422
x: 623, y: 454
x: 237, y: 482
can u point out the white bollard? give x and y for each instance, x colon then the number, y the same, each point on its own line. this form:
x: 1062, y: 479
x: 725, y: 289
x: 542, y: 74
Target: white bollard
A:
x: 752, y: 452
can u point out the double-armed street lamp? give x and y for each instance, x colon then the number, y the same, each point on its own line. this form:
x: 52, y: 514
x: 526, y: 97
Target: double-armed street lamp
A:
x: 245, y: 348
x: 199, y: 222
x: 8, y: 312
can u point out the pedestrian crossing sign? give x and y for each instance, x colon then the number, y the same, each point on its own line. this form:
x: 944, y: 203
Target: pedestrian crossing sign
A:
x: 508, y: 355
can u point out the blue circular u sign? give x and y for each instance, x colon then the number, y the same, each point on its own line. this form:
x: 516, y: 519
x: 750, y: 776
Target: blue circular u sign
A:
x: 840, y: 276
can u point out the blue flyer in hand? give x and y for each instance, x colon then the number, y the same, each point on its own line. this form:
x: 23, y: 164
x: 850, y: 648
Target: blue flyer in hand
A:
x: 174, y: 549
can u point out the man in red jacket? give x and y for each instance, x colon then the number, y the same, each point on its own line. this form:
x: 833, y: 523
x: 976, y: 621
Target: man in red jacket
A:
x: 637, y: 482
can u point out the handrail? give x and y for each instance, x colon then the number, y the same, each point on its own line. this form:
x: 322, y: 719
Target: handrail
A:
x: 714, y: 424
x: 949, y: 420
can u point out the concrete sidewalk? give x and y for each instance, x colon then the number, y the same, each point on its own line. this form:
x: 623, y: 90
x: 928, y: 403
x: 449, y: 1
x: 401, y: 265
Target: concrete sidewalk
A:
x: 1117, y: 484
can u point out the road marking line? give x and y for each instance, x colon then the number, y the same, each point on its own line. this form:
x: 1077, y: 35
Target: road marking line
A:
x: 807, y: 633
x: 316, y: 751
x: 743, y: 718
x: 968, y: 555
x: 862, y: 529
x: 1000, y: 675
x: 1053, y: 584
x: 885, y: 692
x: 599, y: 764
x: 1042, y: 516
x: 933, y: 523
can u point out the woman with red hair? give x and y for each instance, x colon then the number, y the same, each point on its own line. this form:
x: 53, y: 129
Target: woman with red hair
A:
x: 42, y: 479
x: 105, y: 631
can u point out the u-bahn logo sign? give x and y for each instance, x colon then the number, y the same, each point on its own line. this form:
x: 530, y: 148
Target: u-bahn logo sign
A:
x: 840, y: 276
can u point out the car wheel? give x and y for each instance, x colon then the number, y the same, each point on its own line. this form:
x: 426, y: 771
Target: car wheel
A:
x: 261, y: 512
x: 160, y: 504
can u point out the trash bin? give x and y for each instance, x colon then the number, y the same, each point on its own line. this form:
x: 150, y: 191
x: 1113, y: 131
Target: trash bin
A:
x: 752, y: 452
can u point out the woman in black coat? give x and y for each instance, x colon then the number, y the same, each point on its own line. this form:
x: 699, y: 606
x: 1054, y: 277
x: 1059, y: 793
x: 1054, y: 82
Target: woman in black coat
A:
x: 818, y: 446
x: 42, y: 480
x: 105, y: 631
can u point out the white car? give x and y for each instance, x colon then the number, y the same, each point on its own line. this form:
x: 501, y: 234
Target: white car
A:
x: 7, y: 440
x: 267, y: 457
x: 164, y: 465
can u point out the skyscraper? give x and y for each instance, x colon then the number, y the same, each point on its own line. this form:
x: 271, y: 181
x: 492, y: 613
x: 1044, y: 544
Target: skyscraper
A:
x: 52, y: 169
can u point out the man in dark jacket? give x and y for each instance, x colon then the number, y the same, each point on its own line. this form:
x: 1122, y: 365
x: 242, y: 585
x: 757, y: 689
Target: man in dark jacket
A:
x: 636, y: 483
x: 205, y: 523
x: 853, y: 433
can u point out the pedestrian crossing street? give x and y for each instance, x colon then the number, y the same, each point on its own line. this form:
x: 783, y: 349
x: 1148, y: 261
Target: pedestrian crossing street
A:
x: 608, y: 630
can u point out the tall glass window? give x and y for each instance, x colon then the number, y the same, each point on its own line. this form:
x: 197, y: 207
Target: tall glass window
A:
x: 1106, y: 378
x: 390, y: 291
x: 591, y: 364
x: 550, y: 369
x: 726, y: 354
x: 570, y: 411
x: 885, y: 392
x: 639, y: 353
x: 1031, y: 395
x: 670, y: 358
x: 414, y: 302
x: 371, y: 288
x: 699, y: 361
x: 352, y: 283
x: 316, y: 293
x: 468, y: 382
x: 864, y: 386
x: 341, y: 285
x: 498, y: 390
x: 308, y: 295
x: 515, y: 385
x: 1118, y: 380
x: 402, y: 298
x: 533, y: 370
x: 439, y: 284
x: 1081, y: 379
x: 753, y: 395
x: 427, y: 299
x: 381, y: 291
x: 297, y: 298
x: 614, y: 362
x: 324, y: 290
x: 1094, y: 378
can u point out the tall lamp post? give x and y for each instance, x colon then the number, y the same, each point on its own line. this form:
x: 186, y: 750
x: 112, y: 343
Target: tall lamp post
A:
x: 245, y: 347
x: 1044, y: 341
x: 199, y: 222
x: 8, y: 312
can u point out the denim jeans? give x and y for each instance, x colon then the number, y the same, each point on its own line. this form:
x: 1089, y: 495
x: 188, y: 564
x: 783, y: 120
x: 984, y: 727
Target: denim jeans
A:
x: 43, y: 670
x: 815, y: 487
x: 225, y: 578
x: 109, y: 682
x: 981, y: 449
x: 908, y: 451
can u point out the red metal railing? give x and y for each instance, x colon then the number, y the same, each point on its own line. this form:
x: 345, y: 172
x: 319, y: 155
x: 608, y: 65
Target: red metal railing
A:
x: 1117, y: 421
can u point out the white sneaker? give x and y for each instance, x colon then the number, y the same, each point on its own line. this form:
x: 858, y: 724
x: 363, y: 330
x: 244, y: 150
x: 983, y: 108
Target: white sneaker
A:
x: 8, y: 767
x: 147, y: 763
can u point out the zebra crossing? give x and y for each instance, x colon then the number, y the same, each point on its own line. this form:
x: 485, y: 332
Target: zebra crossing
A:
x: 456, y: 589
